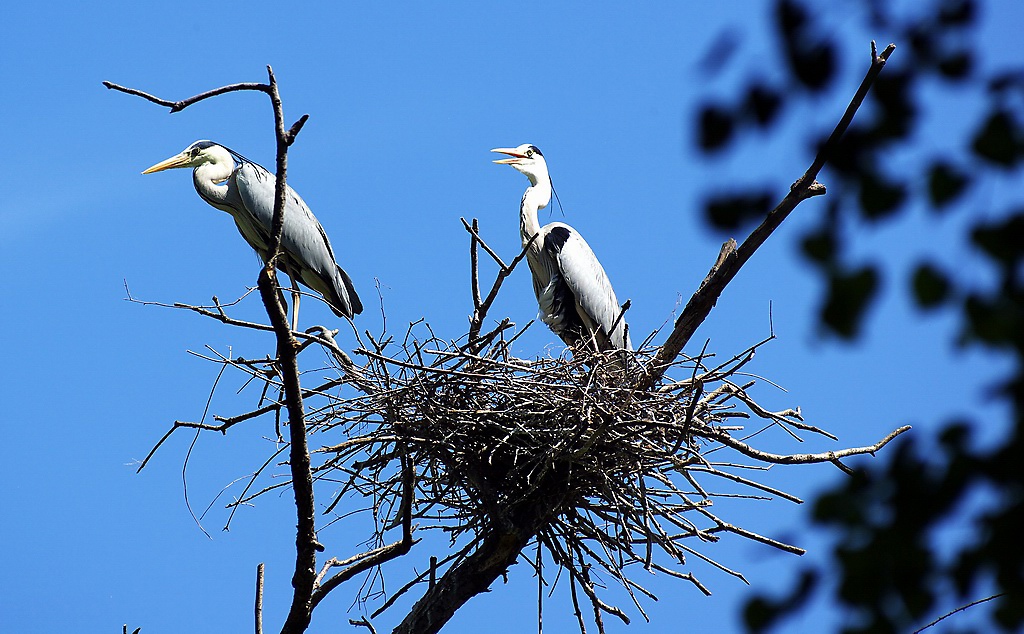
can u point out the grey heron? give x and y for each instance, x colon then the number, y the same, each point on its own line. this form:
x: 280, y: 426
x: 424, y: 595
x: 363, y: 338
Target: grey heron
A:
x: 232, y: 183
x: 575, y: 296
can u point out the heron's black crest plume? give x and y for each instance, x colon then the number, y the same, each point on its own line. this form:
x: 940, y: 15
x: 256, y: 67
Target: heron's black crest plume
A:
x: 560, y: 210
x: 242, y: 159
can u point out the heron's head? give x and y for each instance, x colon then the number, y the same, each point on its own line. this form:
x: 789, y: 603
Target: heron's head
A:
x: 527, y: 159
x: 194, y: 155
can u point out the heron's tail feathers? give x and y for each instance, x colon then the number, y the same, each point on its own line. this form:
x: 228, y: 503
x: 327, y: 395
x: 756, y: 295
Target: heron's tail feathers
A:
x: 345, y: 289
x: 343, y: 295
x: 336, y: 288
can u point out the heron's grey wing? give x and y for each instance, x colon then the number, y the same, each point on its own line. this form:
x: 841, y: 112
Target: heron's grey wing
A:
x: 585, y: 277
x: 304, y: 239
x: 304, y: 242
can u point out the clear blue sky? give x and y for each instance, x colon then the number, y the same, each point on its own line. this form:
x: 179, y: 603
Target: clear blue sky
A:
x: 404, y: 105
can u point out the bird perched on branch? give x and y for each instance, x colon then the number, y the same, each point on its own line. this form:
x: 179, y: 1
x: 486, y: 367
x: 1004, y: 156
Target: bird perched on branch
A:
x: 232, y: 183
x: 575, y: 296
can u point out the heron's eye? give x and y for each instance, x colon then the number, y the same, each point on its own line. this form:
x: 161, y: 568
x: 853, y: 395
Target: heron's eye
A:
x: 529, y: 153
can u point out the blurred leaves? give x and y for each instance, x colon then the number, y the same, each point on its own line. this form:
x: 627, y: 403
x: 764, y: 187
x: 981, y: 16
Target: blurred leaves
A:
x: 715, y: 127
x: 956, y: 65
x: 884, y: 520
x: 731, y: 211
x: 762, y: 104
x: 880, y: 197
x: 812, y: 58
x: 1002, y: 240
x: 896, y: 111
x: 999, y: 140
x: 957, y: 12
x: 821, y: 246
x: 761, y: 613
x: 849, y: 295
x: 930, y: 286
x: 945, y: 184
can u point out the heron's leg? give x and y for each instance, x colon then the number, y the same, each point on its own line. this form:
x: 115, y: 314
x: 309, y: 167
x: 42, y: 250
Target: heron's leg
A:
x: 295, y: 296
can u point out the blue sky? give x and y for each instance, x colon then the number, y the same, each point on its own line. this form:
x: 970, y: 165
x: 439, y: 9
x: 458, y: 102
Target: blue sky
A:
x: 404, y: 104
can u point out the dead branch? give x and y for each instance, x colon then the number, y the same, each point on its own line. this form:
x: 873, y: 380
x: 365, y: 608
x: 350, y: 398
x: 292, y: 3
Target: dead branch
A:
x: 958, y: 610
x: 259, y: 599
x: 803, y: 458
x: 299, y: 462
x: 480, y: 308
x: 377, y: 557
x: 731, y: 258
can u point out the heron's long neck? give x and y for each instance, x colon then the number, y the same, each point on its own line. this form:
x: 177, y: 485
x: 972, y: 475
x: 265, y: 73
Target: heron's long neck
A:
x: 210, y: 180
x: 537, y: 197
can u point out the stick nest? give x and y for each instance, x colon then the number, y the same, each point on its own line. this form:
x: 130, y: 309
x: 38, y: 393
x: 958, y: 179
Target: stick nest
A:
x: 607, y: 474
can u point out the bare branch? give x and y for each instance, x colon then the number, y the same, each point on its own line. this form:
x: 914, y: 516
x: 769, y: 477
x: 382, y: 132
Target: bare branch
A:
x: 474, y: 265
x: 480, y: 313
x: 731, y: 258
x: 380, y: 555
x: 259, y: 599
x: 801, y: 458
x: 178, y: 106
x: 474, y: 231
x: 959, y: 609
x: 363, y: 623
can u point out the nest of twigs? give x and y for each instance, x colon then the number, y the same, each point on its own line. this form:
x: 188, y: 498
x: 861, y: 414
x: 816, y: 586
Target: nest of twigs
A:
x: 605, y: 475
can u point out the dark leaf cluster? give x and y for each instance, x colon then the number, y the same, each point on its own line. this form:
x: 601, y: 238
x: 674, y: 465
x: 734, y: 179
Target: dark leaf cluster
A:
x: 886, y: 519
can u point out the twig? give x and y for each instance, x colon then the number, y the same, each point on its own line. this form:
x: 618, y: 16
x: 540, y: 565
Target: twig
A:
x: 474, y: 265
x: 959, y: 609
x: 259, y: 599
x: 474, y: 231
x: 804, y: 458
x: 363, y: 622
x: 380, y: 555
x: 480, y: 311
x: 178, y: 106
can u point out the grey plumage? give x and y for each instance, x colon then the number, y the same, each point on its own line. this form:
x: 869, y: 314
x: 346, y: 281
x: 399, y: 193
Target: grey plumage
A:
x: 245, y: 190
x: 573, y: 291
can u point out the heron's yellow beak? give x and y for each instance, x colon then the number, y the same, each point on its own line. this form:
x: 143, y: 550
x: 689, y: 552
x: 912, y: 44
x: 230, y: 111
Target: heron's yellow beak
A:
x: 178, y: 160
x: 511, y: 151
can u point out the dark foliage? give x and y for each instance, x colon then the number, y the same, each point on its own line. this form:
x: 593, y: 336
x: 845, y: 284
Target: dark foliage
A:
x: 887, y: 575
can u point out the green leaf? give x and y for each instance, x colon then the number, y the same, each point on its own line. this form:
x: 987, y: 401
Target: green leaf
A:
x: 820, y: 246
x: 849, y: 295
x: 998, y: 140
x: 880, y: 198
x: 945, y: 184
x: 731, y: 211
x: 1002, y: 241
x: 931, y: 286
x: 715, y: 127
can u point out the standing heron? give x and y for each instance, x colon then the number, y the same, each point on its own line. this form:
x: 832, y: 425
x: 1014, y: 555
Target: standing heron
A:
x: 232, y: 183
x: 575, y: 296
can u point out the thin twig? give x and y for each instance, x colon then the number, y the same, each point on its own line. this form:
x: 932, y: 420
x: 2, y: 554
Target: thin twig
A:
x: 178, y: 106
x: 959, y: 609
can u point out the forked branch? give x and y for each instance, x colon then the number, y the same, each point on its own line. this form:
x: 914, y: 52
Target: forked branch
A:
x: 287, y: 346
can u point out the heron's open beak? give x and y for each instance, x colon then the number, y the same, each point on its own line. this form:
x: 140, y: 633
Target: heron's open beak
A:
x: 511, y: 151
x: 179, y: 160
